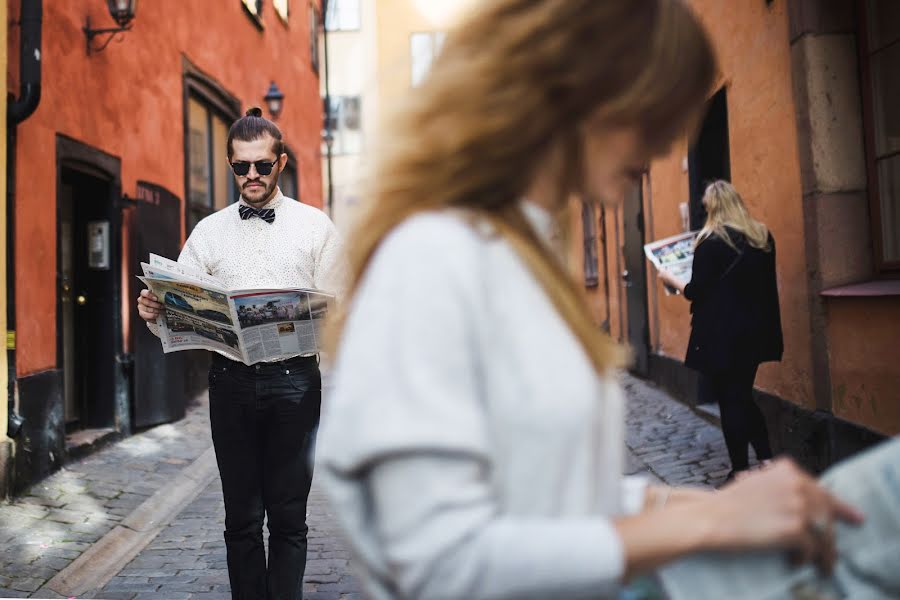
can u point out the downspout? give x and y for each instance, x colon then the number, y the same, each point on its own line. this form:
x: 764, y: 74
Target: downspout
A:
x: 30, y: 21
x: 329, y: 137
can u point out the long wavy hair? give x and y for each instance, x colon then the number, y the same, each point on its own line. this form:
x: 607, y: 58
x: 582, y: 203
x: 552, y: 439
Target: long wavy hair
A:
x: 515, y: 80
x: 726, y: 209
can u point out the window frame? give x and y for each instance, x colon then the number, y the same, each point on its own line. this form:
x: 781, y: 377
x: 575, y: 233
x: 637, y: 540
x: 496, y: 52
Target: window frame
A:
x: 284, y: 18
x: 204, y: 89
x: 295, y: 168
x: 889, y: 268
x: 334, y: 121
x: 255, y: 17
x: 437, y: 37
x: 327, y: 22
x: 591, y: 267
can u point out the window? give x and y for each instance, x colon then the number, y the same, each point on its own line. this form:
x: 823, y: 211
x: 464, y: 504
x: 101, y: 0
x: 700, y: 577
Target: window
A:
x: 254, y: 8
x: 589, y: 227
x: 288, y: 181
x: 880, y: 50
x: 342, y: 15
x: 423, y: 49
x: 282, y: 9
x: 210, y: 183
x: 708, y: 157
x: 343, y: 122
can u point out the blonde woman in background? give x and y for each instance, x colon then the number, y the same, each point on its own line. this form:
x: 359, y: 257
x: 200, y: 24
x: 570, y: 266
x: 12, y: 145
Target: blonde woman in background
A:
x: 736, y: 323
x: 473, y: 445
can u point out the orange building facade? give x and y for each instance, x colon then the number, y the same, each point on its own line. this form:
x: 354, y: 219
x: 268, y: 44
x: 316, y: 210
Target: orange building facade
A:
x: 124, y: 153
x: 805, y: 122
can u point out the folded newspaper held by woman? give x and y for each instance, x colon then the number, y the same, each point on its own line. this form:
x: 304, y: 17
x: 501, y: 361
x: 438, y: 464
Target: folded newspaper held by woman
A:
x: 246, y: 325
x: 868, y: 562
x: 673, y: 254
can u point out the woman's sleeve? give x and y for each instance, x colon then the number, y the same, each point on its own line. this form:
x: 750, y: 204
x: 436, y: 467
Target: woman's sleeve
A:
x: 440, y: 525
x: 407, y: 449
x: 706, y: 269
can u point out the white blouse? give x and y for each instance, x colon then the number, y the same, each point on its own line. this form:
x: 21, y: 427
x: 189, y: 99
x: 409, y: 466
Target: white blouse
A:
x: 469, y: 448
x: 300, y: 249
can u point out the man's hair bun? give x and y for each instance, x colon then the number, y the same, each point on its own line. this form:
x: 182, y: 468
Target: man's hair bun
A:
x: 254, y: 112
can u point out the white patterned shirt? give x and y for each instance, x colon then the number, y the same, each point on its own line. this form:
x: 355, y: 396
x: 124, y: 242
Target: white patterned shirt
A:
x: 300, y: 249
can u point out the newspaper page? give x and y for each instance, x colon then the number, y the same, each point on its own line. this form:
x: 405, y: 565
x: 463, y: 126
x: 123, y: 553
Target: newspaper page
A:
x: 673, y: 254
x: 246, y: 325
x: 868, y: 563
x: 276, y: 323
x: 169, y: 269
x: 195, y: 317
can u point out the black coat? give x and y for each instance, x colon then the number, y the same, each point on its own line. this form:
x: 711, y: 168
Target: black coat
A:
x: 736, y: 320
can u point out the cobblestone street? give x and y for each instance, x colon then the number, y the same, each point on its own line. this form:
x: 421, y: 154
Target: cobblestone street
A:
x: 44, y: 532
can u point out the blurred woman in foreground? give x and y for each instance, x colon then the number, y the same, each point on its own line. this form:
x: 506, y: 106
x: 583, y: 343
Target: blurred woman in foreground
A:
x: 473, y: 445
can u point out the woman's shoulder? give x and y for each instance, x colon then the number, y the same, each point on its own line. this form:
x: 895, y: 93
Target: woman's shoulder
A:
x: 712, y: 242
x: 448, y: 234
x: 430, y: 246
x: 435, y: 228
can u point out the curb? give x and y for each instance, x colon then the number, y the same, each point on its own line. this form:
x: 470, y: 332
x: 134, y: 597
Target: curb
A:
x: 109, y: 555
x: 708, y: 412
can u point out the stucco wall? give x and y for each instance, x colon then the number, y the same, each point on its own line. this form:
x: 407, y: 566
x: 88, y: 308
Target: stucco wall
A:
x: 128, y: 101
x: 865, y: 377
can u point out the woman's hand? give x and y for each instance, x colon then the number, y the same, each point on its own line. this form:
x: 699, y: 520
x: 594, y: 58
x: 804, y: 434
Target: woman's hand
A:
x: 668, y: 279
x: 148, y: 306
x: 779, y: 506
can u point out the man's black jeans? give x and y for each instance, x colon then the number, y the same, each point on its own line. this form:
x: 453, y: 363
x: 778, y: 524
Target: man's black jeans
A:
x: 264, y: 420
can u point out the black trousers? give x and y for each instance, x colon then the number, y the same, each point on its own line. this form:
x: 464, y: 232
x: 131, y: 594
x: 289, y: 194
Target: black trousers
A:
x: 264, y: 419
x: 743, y: 423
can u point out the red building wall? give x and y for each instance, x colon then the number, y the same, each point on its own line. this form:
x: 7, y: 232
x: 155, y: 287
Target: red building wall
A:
x: 128, y: 102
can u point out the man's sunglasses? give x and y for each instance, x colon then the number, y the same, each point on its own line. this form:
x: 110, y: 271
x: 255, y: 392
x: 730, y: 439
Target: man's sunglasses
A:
x: 263, y: 167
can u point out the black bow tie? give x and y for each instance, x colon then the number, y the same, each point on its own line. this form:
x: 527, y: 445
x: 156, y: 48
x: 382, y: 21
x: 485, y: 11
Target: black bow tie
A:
x: 266, y: 214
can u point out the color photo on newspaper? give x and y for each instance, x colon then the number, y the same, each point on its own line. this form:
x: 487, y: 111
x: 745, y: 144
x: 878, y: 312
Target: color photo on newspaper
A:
x: 673, y: 254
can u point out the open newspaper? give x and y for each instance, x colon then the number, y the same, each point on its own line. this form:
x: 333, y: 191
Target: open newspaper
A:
x: 868, y: 556
x: 673, y: 254
x: 247, y: 325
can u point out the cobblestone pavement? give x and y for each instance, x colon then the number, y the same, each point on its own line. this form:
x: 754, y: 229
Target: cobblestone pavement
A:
x: 187, y: 560
x: 671, y: 440
x: 58, y: 519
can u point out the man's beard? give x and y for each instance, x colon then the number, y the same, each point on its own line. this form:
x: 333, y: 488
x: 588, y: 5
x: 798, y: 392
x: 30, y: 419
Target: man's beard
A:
x: 260, y: 195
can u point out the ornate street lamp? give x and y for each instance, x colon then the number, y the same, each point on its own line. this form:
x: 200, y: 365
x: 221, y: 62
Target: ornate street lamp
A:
x: 274, y: 100
x: 122, y: 12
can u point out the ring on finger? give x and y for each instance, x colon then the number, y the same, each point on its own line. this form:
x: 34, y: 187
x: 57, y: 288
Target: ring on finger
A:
x: 820, y: 526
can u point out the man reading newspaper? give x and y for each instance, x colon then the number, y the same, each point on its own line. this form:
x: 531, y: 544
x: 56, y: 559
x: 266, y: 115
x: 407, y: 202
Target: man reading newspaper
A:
x: 263, y: 415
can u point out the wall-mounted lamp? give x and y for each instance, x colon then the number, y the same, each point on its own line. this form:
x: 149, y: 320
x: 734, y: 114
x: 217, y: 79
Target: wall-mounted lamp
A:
x: 274, y: 100
x: 122, y: 12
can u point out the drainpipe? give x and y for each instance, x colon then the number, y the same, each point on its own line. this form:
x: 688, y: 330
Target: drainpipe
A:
x: 30, y: 21
x: 329, y: 137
